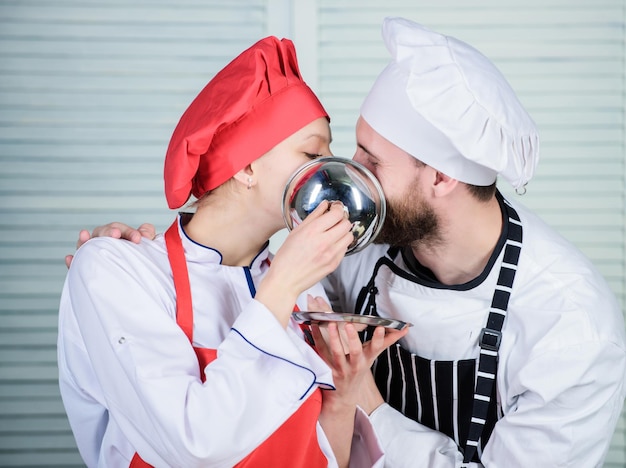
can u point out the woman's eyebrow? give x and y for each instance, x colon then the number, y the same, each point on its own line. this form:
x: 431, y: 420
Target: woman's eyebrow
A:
x: 320, y: 136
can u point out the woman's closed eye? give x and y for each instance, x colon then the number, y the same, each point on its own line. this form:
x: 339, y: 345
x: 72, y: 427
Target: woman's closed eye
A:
x: 313, y: 156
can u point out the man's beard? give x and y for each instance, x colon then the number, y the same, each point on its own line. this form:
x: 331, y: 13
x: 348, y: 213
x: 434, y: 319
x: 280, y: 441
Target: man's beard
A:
x: 409, y: 221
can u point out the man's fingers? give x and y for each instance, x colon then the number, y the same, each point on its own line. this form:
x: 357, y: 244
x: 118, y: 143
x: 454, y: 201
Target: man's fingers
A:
x: 147, y: 230
x: 391, y: 336
x: 321, y: 342
x: 83, y: 236
x: 382, y: 339
x: 377, y: 343
x: 116, y: 231
x: 352, y: 340
x: 317, y: 304
x: 126, y: 232
x: 337, y: 348
x: 108, y: 230
x: 119, y: 231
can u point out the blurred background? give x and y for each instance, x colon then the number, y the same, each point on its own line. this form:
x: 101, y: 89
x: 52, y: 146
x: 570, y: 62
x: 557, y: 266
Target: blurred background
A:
x: 90, y: 92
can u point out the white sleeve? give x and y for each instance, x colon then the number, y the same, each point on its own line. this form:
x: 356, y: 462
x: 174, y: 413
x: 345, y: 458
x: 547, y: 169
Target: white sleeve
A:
x: 367, y: 450
x: 408, y: 444
x: 149, y: 377
x: 563, y: 407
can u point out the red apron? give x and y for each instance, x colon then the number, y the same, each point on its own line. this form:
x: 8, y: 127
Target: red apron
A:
x: 294, y: 444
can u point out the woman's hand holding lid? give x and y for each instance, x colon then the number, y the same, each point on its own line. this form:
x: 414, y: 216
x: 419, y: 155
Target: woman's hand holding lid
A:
x: 312, y: 250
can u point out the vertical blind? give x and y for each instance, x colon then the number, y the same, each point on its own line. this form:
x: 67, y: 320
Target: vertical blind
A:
x: 90, y: 91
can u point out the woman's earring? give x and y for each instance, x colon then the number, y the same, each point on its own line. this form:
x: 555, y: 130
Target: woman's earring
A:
x: 250, y: 183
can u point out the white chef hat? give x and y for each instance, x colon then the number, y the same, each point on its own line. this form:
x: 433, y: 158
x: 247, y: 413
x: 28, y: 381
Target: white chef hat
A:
x: 446, y: 104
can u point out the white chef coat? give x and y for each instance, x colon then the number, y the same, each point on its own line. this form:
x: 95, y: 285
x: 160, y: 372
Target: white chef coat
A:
x: 562, y: 361
x: 130, y: 380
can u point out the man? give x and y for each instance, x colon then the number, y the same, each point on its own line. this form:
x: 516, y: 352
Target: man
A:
x: 517, y: 353
x: 486, y: 283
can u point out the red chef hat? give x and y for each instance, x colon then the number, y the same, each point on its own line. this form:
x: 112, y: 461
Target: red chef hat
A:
x: 255, y: 102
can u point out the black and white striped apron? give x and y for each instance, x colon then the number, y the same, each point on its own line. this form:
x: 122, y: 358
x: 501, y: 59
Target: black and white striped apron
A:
x: 452, y: 397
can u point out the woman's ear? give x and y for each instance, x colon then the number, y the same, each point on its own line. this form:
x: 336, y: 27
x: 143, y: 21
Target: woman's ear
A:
x: 246, y: 177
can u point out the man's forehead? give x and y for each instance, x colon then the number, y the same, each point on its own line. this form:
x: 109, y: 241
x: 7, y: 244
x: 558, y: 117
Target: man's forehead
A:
x: 373, y: 143
x: 369, y: 138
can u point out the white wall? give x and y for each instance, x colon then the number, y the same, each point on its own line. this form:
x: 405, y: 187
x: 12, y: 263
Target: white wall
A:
x: 90, y: 91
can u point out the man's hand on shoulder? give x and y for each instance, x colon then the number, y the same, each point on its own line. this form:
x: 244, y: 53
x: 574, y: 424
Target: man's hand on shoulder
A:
x: 117, y: 231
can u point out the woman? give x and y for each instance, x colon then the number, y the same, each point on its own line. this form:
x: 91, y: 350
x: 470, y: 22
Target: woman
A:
x: 181, y: 351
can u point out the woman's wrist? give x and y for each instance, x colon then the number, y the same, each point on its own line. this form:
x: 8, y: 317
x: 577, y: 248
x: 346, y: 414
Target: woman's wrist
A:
x: 276, y: 298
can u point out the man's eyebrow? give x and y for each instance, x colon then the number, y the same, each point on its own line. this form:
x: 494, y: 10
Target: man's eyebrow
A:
x: 360, y: 146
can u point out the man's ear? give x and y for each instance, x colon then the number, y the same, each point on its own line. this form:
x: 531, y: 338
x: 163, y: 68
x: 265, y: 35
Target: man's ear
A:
x: 245, y: 176
x: 443, y: 184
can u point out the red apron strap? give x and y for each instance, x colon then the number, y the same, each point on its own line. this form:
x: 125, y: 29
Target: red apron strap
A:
x: 176, y: 255
x: 137, y: 462
x: 184, y: 309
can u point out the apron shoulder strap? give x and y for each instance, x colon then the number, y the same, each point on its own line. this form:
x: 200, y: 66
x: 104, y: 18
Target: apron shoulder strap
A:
x: 491, y: 335
x: 370, y: 291
x: 176, y: 255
